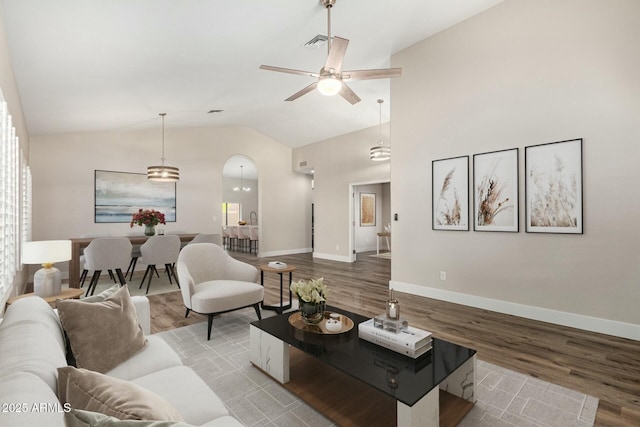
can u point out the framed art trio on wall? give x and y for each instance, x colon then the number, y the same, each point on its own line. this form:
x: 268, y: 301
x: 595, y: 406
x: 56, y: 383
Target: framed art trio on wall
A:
x: 553, y: 190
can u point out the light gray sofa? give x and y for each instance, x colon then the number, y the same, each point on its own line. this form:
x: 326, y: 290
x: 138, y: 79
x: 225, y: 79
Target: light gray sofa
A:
x: 32, y: 347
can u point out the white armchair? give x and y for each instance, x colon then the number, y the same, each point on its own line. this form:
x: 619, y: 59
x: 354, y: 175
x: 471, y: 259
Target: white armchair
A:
x: 212, y: 282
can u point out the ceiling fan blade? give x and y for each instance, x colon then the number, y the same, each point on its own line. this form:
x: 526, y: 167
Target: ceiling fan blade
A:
x: 382, y: 73
x: 348, y: 94
x: 288, y: 71
x: 336, y: 54
x: 304, y: 91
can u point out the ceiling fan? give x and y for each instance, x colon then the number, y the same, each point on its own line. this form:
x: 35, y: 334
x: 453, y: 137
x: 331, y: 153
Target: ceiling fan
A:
x: 331, y: 78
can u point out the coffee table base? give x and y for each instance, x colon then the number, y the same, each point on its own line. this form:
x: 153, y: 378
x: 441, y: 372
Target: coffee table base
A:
x: 333, y: 393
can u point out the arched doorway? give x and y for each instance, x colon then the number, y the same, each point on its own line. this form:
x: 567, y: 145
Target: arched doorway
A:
x: 240, y: 203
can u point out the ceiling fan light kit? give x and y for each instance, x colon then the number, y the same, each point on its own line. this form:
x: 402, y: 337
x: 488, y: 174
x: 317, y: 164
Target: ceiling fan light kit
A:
x: 331, y: 79
x: 380, y: 152
x: 163, y: 173
x: 329, y: 86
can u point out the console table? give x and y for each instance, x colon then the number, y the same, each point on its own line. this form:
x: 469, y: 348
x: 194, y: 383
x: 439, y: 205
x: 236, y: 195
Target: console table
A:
x: 77, y: 244
x: 386, y: 235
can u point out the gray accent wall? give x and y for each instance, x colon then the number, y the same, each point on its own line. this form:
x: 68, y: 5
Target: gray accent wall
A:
x: 526, y: 72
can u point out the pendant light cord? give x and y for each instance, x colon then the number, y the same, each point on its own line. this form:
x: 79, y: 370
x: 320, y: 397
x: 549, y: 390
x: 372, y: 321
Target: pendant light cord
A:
x: 162, y: 158
x: 380, y: 101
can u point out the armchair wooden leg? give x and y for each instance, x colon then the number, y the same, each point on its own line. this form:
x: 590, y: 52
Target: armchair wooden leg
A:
x: 145, y: 276
x: 121, y: 277
x: 187, y: 313
x: 94, y: 282
x: 167, y: 269
x: 256, y: 307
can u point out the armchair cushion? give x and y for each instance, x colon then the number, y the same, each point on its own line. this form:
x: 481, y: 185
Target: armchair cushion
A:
x: 217, y: 296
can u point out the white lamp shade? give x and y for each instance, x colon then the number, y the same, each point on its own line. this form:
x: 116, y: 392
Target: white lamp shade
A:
x: 46, y: 251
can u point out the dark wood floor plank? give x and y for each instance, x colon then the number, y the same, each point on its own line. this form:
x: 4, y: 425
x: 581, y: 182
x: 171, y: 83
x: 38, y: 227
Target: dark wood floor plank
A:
x: 602, y: 366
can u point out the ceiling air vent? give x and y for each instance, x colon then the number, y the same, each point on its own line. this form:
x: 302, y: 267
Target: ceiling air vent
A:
x: 214, y: 111
x: 317, y: 42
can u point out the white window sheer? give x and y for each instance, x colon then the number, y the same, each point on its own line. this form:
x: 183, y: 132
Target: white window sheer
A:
x: 15, y: 200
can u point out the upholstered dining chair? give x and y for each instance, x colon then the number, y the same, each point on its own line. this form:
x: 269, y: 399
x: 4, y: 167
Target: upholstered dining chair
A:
x: 106, y: 253
x: 207, y: 238
x: 159, y: 250
x: 212, y: 282
x: 254, y: 239
x: 244, y: 238
x: 233, y: 236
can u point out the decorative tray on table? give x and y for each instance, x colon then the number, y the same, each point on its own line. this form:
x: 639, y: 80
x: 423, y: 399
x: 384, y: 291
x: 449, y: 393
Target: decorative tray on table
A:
x: 345, y: 324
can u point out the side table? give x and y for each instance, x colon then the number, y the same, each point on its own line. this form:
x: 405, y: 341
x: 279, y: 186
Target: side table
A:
x: 288, y: 269
x: 69, y: 293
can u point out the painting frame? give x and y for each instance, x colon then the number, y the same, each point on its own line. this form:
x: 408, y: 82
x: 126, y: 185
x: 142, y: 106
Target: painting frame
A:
x: 496, y: 191
x: 117, y: 195
x: 554, y: 187
x: 367, y: 209
x: 449, y: 178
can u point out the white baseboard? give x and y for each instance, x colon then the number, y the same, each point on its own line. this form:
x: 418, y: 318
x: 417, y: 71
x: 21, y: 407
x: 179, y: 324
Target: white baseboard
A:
x: 332, y: 257
x: 285, y: 252
x: 578, y: 321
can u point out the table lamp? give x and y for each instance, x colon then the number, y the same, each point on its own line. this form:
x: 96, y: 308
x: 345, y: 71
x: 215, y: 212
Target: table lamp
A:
x: 46, y: 281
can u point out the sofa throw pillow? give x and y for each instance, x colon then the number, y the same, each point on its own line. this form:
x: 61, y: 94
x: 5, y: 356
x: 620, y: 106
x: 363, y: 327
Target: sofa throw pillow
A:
x: 103, y: 334
x: 102, y: 295
x: 95, y: 392
x: 80, y: 418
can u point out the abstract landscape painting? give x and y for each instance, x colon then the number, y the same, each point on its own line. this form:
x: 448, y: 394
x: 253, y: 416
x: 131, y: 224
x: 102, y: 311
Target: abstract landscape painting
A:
x: 495, y: 191
x: 554, y: 187
x: 450, y: 193
x: 119, y: 194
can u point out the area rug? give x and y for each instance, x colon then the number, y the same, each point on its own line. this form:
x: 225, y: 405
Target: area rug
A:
x: 505, y: 397
x: 159, y: 285
x: 385, y: 255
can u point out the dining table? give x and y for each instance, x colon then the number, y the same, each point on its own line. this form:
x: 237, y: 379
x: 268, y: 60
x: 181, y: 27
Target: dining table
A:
x: 78, y: 244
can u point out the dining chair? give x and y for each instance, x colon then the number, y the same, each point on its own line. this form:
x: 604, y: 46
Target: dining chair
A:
x: 207, y: 238
x: 244, y: 238
x: 225, y: 236
x: 253, y: 240
x: 82, y: 260
x: 158, y: 250
x: 213, y: 282
x: 233, y: 236
x: 106, y: 253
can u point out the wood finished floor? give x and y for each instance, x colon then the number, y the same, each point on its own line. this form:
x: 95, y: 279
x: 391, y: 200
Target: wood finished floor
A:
x: 602, y: 366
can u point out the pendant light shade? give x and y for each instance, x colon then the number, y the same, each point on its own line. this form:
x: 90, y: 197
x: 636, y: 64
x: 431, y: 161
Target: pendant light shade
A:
x: 380, y: 152
x: 163, y: 173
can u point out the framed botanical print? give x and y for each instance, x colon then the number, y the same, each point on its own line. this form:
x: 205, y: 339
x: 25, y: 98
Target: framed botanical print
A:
x: 495, y: 191
x: 367, y: 209
x: 450, y: 193
x: 553, y: 187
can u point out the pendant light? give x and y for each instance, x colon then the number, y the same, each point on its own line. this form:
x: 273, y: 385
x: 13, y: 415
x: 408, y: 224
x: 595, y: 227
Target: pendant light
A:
x: 242, y: 187
x: 380, y: 152
x: 163, y: 173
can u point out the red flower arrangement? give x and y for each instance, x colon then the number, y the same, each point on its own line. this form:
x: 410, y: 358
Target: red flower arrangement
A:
x: 147, y: 217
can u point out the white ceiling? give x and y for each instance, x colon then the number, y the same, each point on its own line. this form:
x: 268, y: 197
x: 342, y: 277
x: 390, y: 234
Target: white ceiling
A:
x: 92, y: 65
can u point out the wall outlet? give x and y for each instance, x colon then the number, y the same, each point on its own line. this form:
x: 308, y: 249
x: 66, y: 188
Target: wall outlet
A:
x: 443, y: 275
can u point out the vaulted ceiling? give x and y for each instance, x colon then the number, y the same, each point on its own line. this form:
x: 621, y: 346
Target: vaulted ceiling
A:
x: 91, y: 65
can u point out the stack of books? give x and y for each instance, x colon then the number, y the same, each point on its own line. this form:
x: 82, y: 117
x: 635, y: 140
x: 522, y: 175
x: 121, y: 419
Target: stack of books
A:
x: 404, y: 339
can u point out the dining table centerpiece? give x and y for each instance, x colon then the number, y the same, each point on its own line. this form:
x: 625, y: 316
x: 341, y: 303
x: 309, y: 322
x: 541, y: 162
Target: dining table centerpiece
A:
x: 149, y: 218
x: 311, y: 295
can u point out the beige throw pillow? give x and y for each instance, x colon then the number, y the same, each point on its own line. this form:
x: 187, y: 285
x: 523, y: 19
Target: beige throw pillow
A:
x: 92, y: 391
x: 102, y: 334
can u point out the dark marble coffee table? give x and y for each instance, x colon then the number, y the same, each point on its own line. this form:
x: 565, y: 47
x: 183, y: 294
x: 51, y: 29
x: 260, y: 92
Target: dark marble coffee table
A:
x: 414, y: 384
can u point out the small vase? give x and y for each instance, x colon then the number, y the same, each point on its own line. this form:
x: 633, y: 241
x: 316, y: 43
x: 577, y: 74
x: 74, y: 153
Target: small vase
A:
x: 311, y: 313
x: 149, y: 230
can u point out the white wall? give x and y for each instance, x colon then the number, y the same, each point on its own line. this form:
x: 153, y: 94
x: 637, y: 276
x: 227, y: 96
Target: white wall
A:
x: 339, y: 162
x: 526, y: 72
x: 64, y: 185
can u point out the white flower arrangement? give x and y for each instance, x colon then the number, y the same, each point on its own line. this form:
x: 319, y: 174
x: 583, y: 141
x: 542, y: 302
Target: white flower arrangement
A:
x: 311, y: 291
